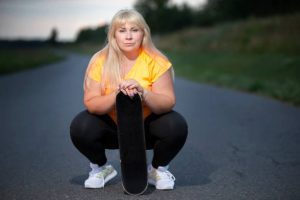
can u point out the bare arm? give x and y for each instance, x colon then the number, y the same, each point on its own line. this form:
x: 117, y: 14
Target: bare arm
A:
x: 162, y: 97
x: 97, y: 103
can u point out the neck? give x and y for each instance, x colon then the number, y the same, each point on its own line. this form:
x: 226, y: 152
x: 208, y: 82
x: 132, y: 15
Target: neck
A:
x: 131, y: 55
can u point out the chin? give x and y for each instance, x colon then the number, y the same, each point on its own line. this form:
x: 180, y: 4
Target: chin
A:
x: 130, y: 49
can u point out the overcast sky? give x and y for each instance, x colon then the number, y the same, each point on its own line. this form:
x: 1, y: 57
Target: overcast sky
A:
x: 36, y: 18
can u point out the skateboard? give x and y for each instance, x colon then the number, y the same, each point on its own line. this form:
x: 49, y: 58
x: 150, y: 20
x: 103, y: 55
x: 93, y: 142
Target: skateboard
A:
x: 132, y: 145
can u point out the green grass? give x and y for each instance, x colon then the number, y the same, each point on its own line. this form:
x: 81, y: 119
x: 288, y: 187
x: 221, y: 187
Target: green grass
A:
x: 84, y: 48
x: 18, y: 59
x: 273, y: 75
x: 279, y: 34
x: 261, y: 56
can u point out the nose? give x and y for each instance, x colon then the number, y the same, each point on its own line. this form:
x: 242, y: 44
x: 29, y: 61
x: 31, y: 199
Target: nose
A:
x: 128, y: 35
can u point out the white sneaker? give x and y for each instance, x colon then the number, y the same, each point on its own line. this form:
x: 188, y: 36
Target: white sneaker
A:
x: 161, y: 178
x: 98, y: 177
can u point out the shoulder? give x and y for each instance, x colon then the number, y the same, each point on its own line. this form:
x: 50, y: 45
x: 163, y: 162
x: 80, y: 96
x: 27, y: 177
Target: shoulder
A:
x: 98, y: 57
x: 154, y: 59
x: 95, y: 66
x: 156, y: 63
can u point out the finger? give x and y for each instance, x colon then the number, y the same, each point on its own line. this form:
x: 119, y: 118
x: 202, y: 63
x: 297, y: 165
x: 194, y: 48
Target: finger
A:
x: 130, y: 82
x: 131, y: 92
x: 124, y: 84
x: 135, y: 91
x: 132, y: 86
x: 120, y: 86
x: 127, y: 91
x: 124, y: 91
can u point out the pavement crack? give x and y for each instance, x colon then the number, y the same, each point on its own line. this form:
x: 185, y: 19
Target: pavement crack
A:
x: 239, y: 174
x: 277, y: 163
x: 235, y: 150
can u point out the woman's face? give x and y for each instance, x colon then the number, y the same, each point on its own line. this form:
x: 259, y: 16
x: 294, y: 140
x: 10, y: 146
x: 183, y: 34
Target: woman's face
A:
x: 129, y: 37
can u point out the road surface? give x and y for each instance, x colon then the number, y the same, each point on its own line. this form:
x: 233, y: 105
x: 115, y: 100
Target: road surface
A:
x: 240, y: 146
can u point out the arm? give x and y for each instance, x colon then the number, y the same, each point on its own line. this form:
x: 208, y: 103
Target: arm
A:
x: 162, y: 97
x: 97, y: 103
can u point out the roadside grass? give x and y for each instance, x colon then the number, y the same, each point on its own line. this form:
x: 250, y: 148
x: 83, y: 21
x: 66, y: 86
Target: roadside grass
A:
x: 86, y: 48
x: 278, y: 34
x: 273, y: 75
x: 18, y: 59
x: 261, y: 56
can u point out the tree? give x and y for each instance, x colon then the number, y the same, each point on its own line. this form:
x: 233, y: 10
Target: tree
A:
x: 226, y: 10
x: 162, y: 17
x: 97, y: 35
x: 53, y: 37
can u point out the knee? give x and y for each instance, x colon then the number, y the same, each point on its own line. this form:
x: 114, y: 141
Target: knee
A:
x: 79, y: 126
x: 177, y: 127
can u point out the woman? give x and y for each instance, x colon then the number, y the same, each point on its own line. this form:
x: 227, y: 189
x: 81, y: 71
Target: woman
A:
x: 131, y: 64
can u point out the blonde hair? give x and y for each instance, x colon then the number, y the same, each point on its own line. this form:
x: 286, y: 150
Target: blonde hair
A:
x: 111, y: 75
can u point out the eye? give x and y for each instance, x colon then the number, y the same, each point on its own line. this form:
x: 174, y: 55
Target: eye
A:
x: 135, y: 30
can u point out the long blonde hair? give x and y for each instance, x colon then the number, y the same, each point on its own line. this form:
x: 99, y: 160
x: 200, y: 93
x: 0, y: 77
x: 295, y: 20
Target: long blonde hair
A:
x: 111, y: 75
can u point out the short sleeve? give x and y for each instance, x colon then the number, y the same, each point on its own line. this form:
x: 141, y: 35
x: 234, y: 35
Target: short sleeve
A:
x: 159, y: 67
x: 95, y: 67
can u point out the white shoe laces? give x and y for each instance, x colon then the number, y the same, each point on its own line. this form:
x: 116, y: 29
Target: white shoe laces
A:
x: 103, y: 173
x: 165, y: 175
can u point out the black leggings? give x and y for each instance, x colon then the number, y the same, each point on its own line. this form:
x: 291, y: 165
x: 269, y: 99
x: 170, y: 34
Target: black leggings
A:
x: 165, y: 134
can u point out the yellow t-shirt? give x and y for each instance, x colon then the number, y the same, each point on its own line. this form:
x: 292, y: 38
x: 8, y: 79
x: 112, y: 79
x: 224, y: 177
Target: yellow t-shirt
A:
x: 146, y: 70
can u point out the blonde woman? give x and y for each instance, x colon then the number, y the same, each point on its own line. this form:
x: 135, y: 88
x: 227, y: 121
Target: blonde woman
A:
x: 131, y: 64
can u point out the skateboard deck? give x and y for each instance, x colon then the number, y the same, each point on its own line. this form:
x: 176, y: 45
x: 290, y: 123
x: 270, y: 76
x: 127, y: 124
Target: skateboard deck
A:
x: 132, y: 145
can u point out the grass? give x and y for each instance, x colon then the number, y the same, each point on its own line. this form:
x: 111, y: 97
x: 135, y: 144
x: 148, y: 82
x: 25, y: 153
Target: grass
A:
x: 18, y: 59
x: 87, y: 48
x: 261, y: 56
x: 273, y: 75
x: 279, y: 34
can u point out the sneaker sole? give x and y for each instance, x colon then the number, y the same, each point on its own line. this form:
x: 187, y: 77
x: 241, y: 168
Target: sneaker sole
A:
x: 108, y: 178
x: 151, y: 182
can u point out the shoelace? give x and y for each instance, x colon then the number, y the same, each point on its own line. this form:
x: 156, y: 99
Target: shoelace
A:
x: 165, y: 175
x: 104, y: 172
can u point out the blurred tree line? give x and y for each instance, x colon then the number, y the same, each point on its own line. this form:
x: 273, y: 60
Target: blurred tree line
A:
x: 216, y: 11
x: 163, y: 16
x: 96, y: 35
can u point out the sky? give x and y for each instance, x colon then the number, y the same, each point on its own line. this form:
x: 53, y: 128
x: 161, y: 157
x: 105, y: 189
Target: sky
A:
x: 34, y: 19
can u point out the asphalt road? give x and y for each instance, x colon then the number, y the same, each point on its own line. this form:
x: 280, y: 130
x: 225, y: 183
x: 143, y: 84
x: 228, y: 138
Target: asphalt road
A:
x: 240, y: 146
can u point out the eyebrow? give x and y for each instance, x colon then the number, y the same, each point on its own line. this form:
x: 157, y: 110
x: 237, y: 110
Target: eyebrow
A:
x: 133, y: 27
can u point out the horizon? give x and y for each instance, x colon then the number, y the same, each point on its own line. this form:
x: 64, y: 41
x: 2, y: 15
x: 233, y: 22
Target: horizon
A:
x: 35, y: 19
